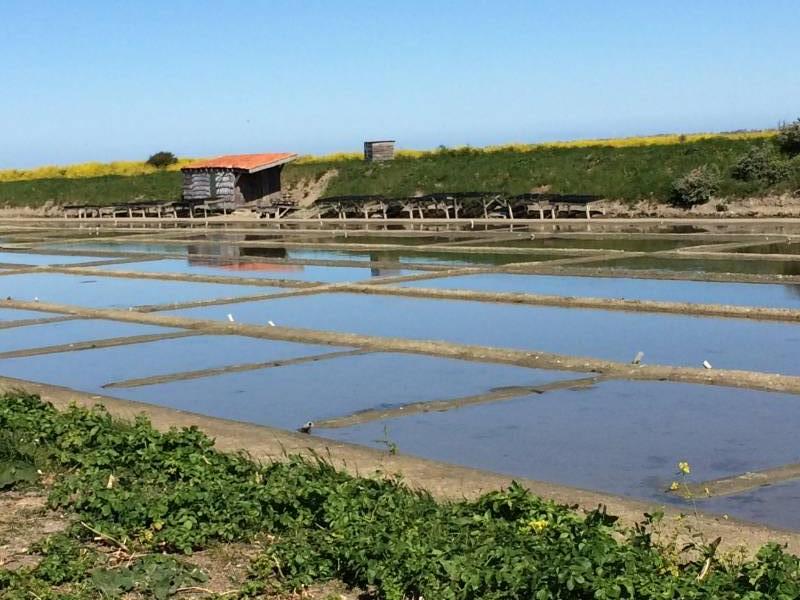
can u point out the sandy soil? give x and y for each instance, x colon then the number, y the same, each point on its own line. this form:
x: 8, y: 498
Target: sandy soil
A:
x: 25, y: 520
x: 306, y: 191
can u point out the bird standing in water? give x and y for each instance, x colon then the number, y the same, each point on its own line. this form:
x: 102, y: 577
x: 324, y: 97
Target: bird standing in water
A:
x: 306, y: 428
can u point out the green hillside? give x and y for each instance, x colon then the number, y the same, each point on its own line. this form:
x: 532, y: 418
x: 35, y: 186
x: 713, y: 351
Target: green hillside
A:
x: 626, y: 173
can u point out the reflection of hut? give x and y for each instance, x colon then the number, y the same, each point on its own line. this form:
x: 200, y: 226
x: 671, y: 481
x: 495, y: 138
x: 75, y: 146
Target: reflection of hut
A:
x: 238, y: 178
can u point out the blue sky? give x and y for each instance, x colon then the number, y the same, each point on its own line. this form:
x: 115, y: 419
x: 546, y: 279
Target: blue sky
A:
x: 112, y: 80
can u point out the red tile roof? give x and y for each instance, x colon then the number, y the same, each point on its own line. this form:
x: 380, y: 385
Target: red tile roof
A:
x: 244, y: 162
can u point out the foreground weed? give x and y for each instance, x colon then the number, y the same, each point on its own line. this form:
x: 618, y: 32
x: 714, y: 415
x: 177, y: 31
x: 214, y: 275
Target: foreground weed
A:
x: 144, y: 491
x: 19, y: 460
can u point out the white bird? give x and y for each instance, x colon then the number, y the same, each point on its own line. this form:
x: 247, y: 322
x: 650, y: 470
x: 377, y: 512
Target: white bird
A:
x: 271, y: 324
x: 230, y: 318
x: 638, y: 358
x: 707, y: 364
x: 36, y: 298
x: 306, y: 428
x: 472, y: 224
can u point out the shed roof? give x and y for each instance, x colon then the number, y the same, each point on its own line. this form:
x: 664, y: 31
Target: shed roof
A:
x: 243, y: 162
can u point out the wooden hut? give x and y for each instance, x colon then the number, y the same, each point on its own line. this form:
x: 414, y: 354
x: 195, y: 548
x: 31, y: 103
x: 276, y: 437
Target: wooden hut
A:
x: 379, y: 150
x: 236, y: 179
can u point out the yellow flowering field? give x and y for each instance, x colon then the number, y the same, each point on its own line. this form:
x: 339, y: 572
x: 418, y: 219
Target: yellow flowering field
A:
x: 88, y: 169
x: 650, y: 140
x: 130, y: 168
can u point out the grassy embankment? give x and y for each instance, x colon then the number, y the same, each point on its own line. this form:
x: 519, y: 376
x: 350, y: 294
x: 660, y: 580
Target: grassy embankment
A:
x: 627, y: 169
x: 140, y: 503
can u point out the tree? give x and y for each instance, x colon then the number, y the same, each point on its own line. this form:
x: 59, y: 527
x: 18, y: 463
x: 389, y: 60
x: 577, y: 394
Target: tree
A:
x: 788, y: 137
x: 162, y: 159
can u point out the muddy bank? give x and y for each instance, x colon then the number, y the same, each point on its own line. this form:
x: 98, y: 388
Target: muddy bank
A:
x: 784, y: 205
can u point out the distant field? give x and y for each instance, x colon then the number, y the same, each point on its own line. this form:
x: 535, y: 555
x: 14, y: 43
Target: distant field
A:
x: 627, y: 169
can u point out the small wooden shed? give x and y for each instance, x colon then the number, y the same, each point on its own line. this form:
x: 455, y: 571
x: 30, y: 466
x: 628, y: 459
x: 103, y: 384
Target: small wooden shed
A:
x: 379, y: 150
x: 236, y: 178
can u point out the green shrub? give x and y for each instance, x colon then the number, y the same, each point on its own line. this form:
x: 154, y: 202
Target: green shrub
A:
x: 162, y: 159
x: 696, y: 187
x: 762, y: 164
x: 788, y: 137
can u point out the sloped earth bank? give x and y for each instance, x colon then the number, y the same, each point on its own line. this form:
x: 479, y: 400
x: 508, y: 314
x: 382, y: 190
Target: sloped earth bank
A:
x: 786, y: 205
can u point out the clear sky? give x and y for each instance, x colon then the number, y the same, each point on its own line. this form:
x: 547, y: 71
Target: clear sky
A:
x: 108, y: 79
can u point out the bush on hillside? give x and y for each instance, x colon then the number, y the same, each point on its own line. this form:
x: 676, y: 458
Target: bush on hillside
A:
x: 760, y: 163
x: 696, y: 187
x: 788, y: 137
x: 162, y: 159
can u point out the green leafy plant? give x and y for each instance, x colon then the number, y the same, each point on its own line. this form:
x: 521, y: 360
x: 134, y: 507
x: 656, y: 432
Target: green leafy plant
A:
x: 696, y: 187
x: 18, y: 460
x: 152, y: 576
x: 760, y: 164
x: 788, y: 137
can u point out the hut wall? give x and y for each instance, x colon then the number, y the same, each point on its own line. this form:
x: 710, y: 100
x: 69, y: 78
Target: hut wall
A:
x: 206, y: 184
x: 379, y: 150
x: 196, y: 185
x: 252, y: 187
x: 225, y: 184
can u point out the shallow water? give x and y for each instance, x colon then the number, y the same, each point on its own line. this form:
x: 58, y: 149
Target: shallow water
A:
x: 433, y: 258
x: 124, y: 247
x: 332, y: 237
x: 614, y: 335
x: 774, y: 505
x: 113, y: 292
x: 259, y: 269
x: 12, y: 314
x: 776, y: 248
x: 619, y: 436
x: 232, y: 251
x: 89, y: 370
x: 652, y: 244
x: 18, y: 258
x: 68, y: 332
x: 289, y: 396
x: 757, y: 267
x: 702, y: 292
